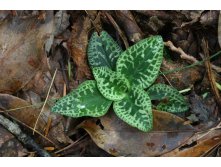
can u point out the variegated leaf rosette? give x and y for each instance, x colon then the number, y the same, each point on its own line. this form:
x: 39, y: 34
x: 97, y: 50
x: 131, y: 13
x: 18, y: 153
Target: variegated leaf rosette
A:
x: 121, y: 77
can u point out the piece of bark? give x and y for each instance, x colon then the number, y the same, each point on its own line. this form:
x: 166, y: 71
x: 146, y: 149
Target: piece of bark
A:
x: 9, y: 145
x: 126, y: 19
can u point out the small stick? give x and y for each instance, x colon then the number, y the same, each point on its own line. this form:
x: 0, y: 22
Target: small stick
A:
x: 209, y: 71
x: 22, y: 137
x: 42, y: 109
x: 113, y: 22
x: 23, y: 124
x: 185, y: 56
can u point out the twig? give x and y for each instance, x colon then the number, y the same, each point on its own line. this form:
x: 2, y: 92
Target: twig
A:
x: 22, y: 123
x: 42, y: 109
x: 115, y: 25
x: 210, y: 72
x: 166, y: 78
x: 185, y: 56
x: 22, y: 137
x: 70, y: 145
x: 28, y: 106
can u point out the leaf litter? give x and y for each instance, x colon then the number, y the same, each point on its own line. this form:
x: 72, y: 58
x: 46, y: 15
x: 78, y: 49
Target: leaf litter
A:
x: 35, y: 43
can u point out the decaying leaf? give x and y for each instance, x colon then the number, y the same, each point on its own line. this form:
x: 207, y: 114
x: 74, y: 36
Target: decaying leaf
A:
x: 22, y: 50
x: 197, y: 148
x: 61, y: 21
x: 79, y: 46
x: 119, y: 139
x: 202, y: 110
x: 28, y: 116
x: 9, y: 145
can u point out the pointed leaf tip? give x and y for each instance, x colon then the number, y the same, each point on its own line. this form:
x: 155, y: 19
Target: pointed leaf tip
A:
x: 171, y: 100
x: 141, y: 62
x: 135, y: 109
x: 103, y: 51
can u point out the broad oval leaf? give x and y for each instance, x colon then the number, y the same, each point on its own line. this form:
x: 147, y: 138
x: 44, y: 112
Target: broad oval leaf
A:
x: 111, y: 84
x: 141, y: 62
x: 86, y: 100
x: 172, y: 100
x: 135, y: 109
x: 103, y: 51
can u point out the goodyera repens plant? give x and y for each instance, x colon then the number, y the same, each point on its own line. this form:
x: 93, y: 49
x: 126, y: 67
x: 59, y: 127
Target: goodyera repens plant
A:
x: 121, y: 78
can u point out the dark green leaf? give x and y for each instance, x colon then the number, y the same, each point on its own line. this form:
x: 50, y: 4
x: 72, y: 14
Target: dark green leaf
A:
x: 111, y: 84
x: 172, y: 100
x: 135, y: 109
x: 103, y: 51
x: 86, y: 100
x: 141, y: 62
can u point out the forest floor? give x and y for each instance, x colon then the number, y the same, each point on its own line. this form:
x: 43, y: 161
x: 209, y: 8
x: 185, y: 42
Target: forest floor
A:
x: 43, y: 56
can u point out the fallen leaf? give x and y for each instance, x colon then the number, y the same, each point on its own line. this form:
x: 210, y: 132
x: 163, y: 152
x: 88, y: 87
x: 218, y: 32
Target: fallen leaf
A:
x: 119, y: 139
x: 197, y: 148
x: 4, y: 14
x: 61, y: 21
x: 28, y: 116
x: 79, y: 43
x: 22, y: 50
x: 209, y: 18
x: 203, y: 111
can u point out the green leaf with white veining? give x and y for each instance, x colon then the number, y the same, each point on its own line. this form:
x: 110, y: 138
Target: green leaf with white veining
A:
x: 103, y: 51
x: 141, y: 62
x: 111, y: 84
x: 135, y: 109
x: 86, y: 100
x: 172, y: 100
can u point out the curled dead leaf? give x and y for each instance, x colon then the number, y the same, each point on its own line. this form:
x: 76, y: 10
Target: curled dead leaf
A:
x: 197, y: 148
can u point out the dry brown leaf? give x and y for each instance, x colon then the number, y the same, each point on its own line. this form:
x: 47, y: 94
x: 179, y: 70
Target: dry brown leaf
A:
x: 29, y: 115
x: 198, y: 148
x: 22, y: 50
x: 79, y: 46
x: 120, y: 139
